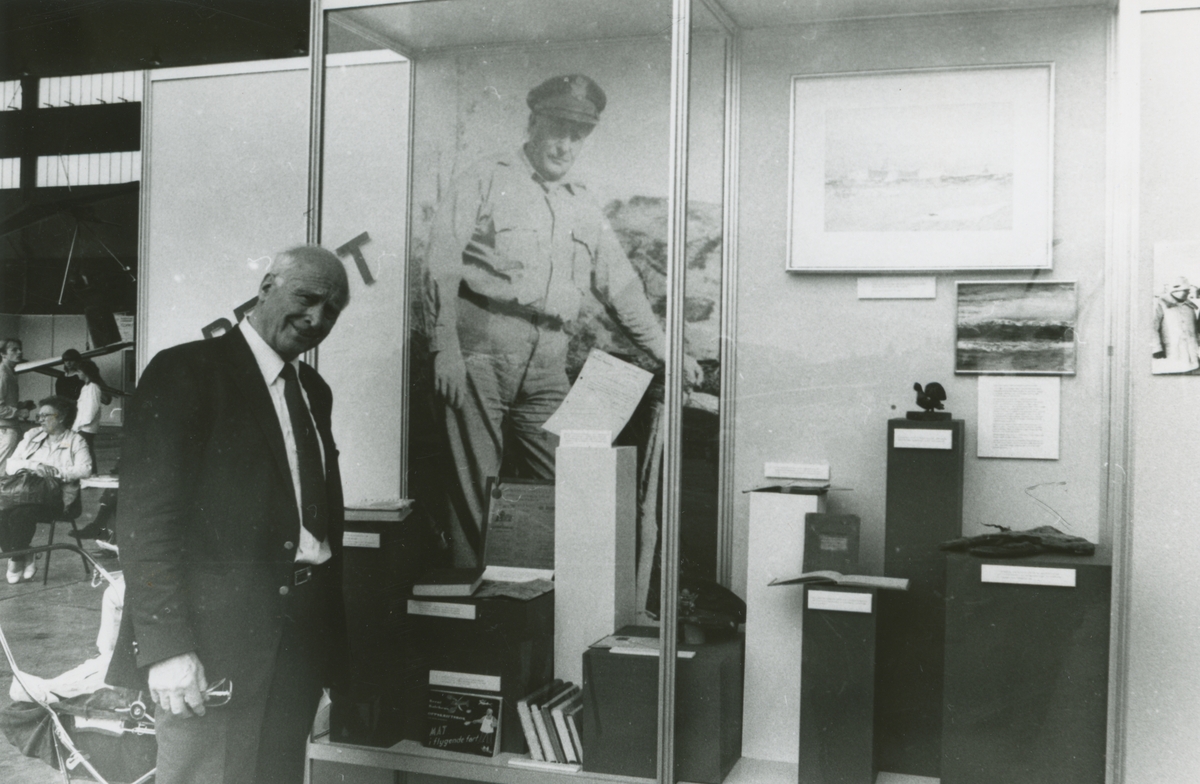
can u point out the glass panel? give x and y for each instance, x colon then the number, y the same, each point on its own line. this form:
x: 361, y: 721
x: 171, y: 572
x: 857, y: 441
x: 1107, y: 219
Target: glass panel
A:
x: 536, y: 210
x: 363, y: 220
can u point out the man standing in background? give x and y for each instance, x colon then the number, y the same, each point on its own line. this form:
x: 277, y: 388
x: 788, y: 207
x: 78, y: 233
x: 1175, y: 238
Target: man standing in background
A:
x: 14, y: 416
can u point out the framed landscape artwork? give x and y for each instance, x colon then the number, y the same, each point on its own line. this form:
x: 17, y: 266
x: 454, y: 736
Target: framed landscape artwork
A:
x: 1016, y: 327
x: 922, y: 170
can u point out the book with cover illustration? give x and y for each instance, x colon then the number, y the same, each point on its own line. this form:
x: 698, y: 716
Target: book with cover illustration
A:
x: 464, y: 721
x: 448, y: 582
x: 827, y: 576
x: 526, y: 716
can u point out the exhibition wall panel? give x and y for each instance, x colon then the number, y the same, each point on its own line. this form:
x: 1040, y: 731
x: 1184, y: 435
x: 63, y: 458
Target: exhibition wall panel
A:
x: 225, y: 188
x: 820, y: 371
x: 224, y: 184
x: 1163, y: 692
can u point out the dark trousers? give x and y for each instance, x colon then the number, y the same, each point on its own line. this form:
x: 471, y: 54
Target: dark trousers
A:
x: 258, y: 738
x: 90, y: 438
x: 18, y: 525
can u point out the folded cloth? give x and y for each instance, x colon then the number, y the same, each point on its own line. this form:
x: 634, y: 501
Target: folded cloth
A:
x: 1018, y: 544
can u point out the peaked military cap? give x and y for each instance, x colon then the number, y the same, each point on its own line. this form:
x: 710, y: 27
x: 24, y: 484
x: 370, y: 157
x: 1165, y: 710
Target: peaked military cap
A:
x: 571, y: 97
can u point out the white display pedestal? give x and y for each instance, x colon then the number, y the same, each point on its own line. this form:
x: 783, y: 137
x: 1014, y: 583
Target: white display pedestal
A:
x: 771, y: 702
x: 595, y: 559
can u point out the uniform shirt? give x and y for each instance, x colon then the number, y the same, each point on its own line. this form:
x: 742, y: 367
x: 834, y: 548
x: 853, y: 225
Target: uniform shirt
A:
x: 87, y: 419
x: 308, y: 549
x: 510, y: 236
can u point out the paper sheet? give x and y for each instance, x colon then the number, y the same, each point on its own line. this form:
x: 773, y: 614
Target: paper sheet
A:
x: 1019, y: 417
x: 603, y: 397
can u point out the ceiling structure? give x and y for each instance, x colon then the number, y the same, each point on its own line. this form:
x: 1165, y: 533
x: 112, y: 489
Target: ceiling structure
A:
x: 96, y: 226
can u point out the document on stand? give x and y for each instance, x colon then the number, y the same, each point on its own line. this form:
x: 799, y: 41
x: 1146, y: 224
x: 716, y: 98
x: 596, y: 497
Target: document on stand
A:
x: 603, y: 397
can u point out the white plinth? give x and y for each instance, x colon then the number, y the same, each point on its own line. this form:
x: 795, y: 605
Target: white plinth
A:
x: 595, y: 538
x: 771, y: 705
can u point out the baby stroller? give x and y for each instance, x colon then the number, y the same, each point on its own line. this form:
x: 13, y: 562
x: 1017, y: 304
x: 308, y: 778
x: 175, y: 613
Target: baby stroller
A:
x: 74, y: 722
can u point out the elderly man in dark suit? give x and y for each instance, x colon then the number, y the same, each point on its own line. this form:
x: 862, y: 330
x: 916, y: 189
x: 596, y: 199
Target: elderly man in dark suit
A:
x: 230, y: 534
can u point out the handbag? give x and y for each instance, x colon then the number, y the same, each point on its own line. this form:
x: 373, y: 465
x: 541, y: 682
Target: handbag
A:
x: 26, y: 488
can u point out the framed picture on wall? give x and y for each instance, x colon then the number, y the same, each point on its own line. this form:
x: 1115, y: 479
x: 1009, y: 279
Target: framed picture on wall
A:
x: 922, y: 170
x: 1016, y: 327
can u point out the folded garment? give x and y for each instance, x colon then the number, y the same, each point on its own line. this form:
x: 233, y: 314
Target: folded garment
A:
x: 1019, y: 544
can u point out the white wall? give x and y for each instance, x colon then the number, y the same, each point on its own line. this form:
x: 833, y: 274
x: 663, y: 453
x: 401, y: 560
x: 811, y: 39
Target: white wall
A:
x: 225, y: 178
x: 225, y: 186
x: 820, y: 372
x: 1163, y: 708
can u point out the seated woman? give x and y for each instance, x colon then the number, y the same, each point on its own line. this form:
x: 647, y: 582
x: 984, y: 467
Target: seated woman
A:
x: 52, y: 449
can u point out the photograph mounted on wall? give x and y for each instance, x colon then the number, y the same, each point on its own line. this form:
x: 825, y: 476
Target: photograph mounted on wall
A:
x: 925, y: 169
x: 1016, y: 327
x: 1174, y: 346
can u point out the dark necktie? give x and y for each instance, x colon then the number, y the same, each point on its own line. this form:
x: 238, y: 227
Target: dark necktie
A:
x: 314, y: 504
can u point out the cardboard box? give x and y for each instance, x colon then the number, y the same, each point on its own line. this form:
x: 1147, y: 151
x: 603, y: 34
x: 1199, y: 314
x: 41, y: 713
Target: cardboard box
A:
x: 620, y: 711
x: 494, y: 644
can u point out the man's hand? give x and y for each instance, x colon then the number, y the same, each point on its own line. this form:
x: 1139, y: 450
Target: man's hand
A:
x: 450, y: 376
x: 41, y: 469
x: 178, y: 683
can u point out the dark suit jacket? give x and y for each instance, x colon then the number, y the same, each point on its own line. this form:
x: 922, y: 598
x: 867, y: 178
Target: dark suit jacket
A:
x: 208, y: 521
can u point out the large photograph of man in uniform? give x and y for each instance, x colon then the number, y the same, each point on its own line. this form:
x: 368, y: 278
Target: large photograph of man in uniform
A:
x: 516, y: 245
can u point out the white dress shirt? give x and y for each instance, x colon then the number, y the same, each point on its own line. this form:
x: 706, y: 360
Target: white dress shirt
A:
x: 308, y: 549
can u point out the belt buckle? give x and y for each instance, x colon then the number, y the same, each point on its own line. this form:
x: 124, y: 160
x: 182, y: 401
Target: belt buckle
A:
x: 303, y: 575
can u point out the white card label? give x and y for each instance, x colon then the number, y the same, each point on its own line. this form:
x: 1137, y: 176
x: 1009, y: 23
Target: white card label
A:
x: 839, y: 601
x: 921, y: 438
x: 465, y: 612
x: 464, y: 680
x: 1027, y: 575
x: 897, y: 287
x: 360, y: 539
x: 600, y: 438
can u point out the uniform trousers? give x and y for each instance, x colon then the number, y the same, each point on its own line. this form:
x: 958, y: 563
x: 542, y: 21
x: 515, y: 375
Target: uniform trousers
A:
x: 516, y: 378
x: 259, y: 738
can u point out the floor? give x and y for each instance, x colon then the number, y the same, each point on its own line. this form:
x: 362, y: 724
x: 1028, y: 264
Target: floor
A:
x: 52, y: 628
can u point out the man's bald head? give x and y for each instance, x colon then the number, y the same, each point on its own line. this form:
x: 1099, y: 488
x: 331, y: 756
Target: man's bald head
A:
x: 300, y: 299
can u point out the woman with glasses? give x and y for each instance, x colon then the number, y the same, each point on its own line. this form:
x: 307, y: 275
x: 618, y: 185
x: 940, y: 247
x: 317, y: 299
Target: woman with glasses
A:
x: 52, y: 449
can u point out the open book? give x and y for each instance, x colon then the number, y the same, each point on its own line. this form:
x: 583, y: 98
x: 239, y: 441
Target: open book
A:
x: 853, y: 580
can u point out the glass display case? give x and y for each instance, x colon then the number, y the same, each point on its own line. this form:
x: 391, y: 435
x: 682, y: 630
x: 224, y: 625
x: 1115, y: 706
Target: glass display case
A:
x: 517, y: 186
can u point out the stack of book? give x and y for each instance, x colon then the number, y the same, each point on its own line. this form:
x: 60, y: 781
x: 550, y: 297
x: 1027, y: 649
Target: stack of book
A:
x: 550, y: 720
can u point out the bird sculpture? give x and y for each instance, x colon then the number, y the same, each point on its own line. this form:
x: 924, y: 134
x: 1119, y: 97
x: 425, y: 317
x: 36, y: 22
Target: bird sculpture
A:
x: 930, y: 398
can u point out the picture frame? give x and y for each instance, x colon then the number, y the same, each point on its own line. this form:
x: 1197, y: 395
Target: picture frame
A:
x: 922, y: 170
x: 1016, y: 327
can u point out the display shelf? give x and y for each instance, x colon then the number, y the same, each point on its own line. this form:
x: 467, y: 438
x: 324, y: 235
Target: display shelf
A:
x: 411, y: 757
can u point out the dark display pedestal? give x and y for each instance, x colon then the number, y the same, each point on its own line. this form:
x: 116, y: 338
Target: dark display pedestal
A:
x: 380, y: 566
x: 509, y: 639
x: 837, y: 689
x: 924, y: 509
x: 1026, y: 672
x: 620, y: 711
